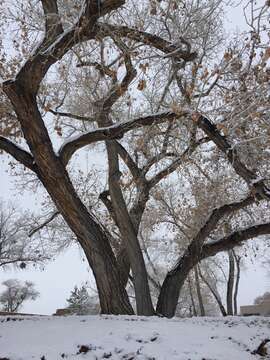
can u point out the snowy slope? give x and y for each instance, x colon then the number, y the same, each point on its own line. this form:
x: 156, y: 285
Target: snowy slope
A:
x: 123, y: 337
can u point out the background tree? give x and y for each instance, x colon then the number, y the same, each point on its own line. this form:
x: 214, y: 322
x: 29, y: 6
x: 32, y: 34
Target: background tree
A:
x: 263, y: 298
x: 21, y: 243
x: 81, y: 303
x: 16, y: 293
x: 222, y: 275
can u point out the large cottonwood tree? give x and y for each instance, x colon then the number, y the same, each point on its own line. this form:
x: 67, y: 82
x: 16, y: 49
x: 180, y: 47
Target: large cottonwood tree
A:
x: 195, y: 103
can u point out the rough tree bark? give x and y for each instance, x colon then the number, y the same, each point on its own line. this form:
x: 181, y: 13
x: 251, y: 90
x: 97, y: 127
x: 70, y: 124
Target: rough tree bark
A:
x: 140, y: 279
x: 175, y: 279
x: 50, y: 168
x: 118, y: 206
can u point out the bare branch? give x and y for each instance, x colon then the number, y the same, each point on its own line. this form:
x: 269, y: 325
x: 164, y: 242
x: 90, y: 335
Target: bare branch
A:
x: 45, y: 223
x: 156, y: 159
x: 175, y: 164
x: 21, y: 155
x: 72, y: 116
x: 196, y: 244
x: 49, y: 52
x: 103, y: 69
x: 119, y: 90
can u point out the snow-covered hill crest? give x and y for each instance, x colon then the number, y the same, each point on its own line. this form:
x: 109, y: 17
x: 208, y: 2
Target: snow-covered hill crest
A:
x: 120, y: 337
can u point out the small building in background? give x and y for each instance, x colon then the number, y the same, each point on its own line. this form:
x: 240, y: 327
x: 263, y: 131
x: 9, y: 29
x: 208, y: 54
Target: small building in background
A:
x: 262, y: 309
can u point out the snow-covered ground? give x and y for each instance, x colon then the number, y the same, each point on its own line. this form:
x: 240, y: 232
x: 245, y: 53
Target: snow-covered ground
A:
x: 123, y: 337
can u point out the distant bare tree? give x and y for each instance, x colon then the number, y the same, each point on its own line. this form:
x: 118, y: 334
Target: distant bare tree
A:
x: 23, y: 241
x: 16, y: 248
x: 260, y: 299
x: 16, y: 293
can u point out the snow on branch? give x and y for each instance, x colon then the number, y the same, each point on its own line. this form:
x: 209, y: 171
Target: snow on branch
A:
x: 253, y: 181
x: 234, y: 239
x: 56, y: 43
x: 112, y: 132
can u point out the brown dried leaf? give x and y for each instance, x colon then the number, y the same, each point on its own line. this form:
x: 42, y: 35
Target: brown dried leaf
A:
x: 141, y: 85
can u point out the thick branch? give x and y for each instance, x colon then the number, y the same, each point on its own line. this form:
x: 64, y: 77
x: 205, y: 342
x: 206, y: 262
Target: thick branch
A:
x: 112, y: 132
x: 171, y: 50
x: 209, y: 226
x: 21, y: 155
x: 196, y: 251
x: 235, y: 239
x: 222, y: 143
x: 49, y: 52
x: 130, y: 163
x: 53, y: 24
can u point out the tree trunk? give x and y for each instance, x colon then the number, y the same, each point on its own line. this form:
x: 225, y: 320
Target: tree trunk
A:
x: 191, y: 297
x: 112, y: 295
x: 53, y: 175
x: 136, y: 213
x: 230, y: 284
x: 174, y: 281
x: 128, y: 233
x: 123, y: 264
x: 238, y: 272
x: 199, y: 293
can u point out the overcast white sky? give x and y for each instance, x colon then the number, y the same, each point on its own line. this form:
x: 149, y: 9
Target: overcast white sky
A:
x: 60, y: 276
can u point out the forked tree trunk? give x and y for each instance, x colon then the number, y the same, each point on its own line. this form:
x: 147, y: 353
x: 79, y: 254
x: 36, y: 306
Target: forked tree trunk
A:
x: 53, y: 175
x: 128, y: 233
